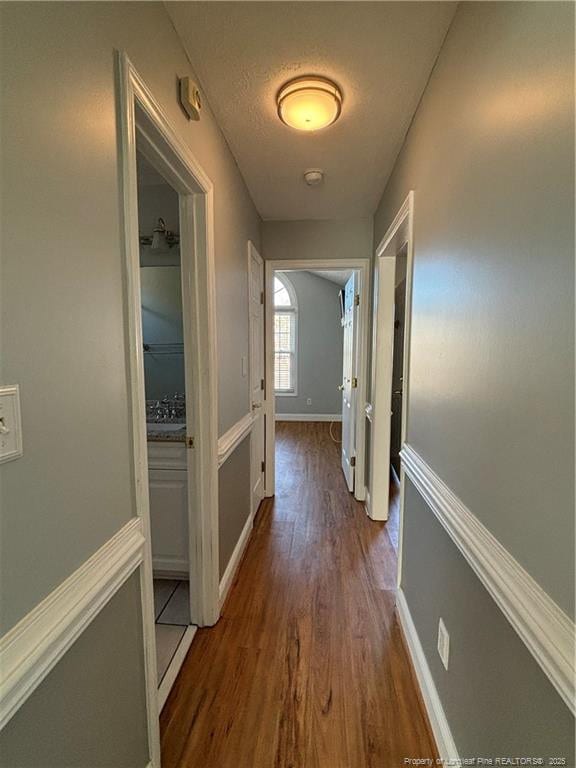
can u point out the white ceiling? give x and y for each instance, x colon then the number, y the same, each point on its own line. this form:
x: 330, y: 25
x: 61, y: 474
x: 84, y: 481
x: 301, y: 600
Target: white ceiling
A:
x: 340, y: 277
x: 380, y: 53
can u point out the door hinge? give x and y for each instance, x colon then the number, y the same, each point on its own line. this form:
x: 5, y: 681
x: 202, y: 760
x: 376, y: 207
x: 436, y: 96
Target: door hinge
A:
x: 357, y: 300
x: 262, y: 384
x: 190, y: 442
x: 354, y: 383
x: 353, y: 461
x: 263, y: 466
x: 261, y: 297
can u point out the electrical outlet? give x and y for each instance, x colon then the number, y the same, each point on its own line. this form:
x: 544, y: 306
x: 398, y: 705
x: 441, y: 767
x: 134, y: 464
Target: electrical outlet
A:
x: 309, y: 401
x: 443, y: 643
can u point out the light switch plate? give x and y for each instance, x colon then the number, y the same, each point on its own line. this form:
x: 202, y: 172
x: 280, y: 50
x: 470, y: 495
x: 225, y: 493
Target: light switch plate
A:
x: 10, y: 423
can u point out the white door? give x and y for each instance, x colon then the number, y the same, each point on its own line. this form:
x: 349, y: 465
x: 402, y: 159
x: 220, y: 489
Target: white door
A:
x: 256, y: 321
x: 382, y: 396
x: 349, y: 383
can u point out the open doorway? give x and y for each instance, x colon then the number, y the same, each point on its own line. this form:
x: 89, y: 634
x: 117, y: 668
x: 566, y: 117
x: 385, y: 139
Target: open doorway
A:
x: 174, y: 288
x: 390, y: 359
x: 397, y: 394
x: 316, y: 358
x: 165, y: 352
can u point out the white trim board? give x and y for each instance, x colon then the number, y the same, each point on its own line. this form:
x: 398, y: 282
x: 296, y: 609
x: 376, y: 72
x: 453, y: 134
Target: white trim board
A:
x: 308, y: 417
x: 34, y: 646
x: 438, y: 721
x: 231, y: 439
x: 547, y: 632
x: 235, y: 559
x: 175, y: 665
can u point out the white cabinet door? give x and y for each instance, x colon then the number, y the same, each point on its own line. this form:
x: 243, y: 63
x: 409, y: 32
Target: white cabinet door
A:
x: 169, y: 520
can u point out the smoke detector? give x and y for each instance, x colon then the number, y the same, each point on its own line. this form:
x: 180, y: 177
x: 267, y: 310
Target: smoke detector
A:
x: 313, y: 177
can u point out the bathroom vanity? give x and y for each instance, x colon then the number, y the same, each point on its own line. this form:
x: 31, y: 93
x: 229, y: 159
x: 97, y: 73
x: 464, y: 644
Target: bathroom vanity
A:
x: 168, y: 482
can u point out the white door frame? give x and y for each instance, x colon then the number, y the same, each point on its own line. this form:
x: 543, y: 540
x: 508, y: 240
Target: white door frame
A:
x: 399, y: 235
x: 253, y: 252
x: 362, y: 266
x: 141, y: 115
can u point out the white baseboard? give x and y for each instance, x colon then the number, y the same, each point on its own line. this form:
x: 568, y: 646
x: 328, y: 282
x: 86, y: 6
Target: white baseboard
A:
x: 160, y: 573
x: 308, y: 417
x: 234, y: 562
x: 175, y: 665
x: 438, y: 722
x: 170, y: 568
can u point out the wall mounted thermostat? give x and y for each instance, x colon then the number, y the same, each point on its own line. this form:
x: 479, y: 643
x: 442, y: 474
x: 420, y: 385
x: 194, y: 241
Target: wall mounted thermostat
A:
x: 190, y: 98
x: 10, y: 423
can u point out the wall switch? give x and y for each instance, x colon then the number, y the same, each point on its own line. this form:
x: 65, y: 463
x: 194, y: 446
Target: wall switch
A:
x: 244, y: 366
x: 443, y: 643
x: 309, y: 401
x: 10, y: 423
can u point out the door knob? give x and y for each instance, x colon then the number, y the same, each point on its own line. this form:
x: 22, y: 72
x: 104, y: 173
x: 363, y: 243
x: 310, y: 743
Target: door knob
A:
x: 256, y: 405
x: 341, y: 387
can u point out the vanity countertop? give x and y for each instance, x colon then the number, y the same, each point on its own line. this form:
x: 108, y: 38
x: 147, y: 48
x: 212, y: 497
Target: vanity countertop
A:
x: 157, y: 433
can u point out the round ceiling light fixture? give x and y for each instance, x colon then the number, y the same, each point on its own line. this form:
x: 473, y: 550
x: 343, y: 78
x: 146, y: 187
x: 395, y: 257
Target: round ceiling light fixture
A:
x: 309, y: 103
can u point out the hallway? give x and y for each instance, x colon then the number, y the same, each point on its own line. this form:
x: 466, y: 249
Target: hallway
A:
x: 306, y: 667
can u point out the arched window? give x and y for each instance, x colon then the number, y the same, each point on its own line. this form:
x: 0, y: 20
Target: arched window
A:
x: 285, y: 332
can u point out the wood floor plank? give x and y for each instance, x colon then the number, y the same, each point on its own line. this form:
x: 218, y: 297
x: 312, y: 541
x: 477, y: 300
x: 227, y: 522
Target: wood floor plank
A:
x: 306, y: 668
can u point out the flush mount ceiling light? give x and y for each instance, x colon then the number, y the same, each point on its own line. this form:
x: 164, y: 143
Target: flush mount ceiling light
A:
x: 309, y: 103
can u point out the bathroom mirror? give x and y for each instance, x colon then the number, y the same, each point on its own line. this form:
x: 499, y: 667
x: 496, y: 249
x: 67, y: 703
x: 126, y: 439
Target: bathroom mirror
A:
x: 162, y: 330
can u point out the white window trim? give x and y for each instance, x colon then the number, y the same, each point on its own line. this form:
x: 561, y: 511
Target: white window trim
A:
x: 293, y: 310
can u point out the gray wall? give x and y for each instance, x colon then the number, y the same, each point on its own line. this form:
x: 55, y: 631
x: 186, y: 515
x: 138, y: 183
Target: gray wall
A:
x: 234, y: 501
x: 320, y: 350
x: 156, y: 201
x: 496, y: 698
x: 348, y: 239
x: 89, y: 712
x: 62, y: 291
x: 490, y: 156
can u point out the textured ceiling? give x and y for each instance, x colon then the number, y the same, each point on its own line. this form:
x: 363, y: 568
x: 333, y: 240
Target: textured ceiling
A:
x: 380, y: 53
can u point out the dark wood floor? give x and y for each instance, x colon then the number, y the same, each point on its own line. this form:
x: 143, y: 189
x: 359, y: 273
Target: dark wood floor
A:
x: 306, y: 668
